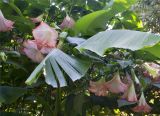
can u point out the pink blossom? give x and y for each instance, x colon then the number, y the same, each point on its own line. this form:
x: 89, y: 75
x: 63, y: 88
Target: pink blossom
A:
x: 32, y: 51
x: 98, y: 89
x: 45, y: 40
x: 5, y: 25
x: 116, y: 85
x: 130, y: 94
x: 68, y: 22
x: 142, y: 105
x: 45, y: 36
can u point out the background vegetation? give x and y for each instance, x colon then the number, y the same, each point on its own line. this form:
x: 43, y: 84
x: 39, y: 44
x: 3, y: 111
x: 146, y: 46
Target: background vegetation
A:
x: 89, y: 62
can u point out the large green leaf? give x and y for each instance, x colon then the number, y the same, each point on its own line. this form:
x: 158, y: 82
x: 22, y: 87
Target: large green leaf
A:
x: 91, y: 23
x: 127, y: 39
x: 96, y: 21
x: 10, y: 94
x: 55, y: 64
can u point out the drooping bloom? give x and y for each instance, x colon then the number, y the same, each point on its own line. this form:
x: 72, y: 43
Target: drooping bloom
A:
x: 142, y: 105
x: 98, y: 89
x: 116, y: 85
x: 68, y: 22
x: 31, y: 50
x: 37, y: 19
x: 5, y: 25
x: 45, y: 35
x: 130, y: 94
x: 45, y: 40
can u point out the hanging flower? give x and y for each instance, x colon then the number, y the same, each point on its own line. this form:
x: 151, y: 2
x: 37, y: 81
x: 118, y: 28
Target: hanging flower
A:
x: 142, y: 105
x: 45, y: 35
x: 5, y: 25
x: 31, y: 50
x: 45, y: 40
x: 130, y: 94
x: 68, y: 22
x: 98, y: 89
x: 116, y: 85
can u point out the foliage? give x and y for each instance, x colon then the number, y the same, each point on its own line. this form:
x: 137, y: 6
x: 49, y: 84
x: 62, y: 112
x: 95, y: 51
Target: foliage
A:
x: 92, y: 50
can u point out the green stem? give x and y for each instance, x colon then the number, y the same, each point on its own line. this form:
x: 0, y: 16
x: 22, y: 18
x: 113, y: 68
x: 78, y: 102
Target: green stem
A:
x: 16, y: 9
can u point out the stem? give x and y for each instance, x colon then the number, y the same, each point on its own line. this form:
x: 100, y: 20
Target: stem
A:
x: 16, y: 9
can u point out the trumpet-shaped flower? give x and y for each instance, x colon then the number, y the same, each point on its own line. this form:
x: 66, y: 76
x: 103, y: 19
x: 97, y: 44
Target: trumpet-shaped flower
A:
x: 98, y: 89
x: 32, y: 51
x: 5, y: 25
x: 130, y: 94
x: 142, y: 105
x: 45, y: 41
x: 45, y: 35
x: 68, y: 22
x: 116, y: 85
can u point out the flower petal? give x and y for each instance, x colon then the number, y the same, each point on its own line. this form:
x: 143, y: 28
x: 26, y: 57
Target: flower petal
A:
x: 68, y: 22
x: 142, y: 105
x: 115, y: 85
x: 5, y: 25
x: 33, y: 54
x: 30, y: 44
x: 45, y: 35
x: 46, y: 50
x: 98, y: 89
x: 130, y: 94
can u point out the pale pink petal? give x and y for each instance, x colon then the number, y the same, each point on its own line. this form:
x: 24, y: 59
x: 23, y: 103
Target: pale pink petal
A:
x: 33, y: 54
x: 46, y: 50
x: 30, y: 44
x: 68, y: 22
x: 130, y: 94
x: 142, y: 105
x: 116, y: 85
x: 45, y: 35
x: 98, y: 89
x: 5, y: 25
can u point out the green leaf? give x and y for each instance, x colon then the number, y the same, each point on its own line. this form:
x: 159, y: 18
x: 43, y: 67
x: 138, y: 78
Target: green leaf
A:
x: 127, y: 39
x: 10, y: 94
x: 157, y: 85
x: 55, y: 64
x: 91, y: 23
x: 96, y: 21
x: 11, y: 114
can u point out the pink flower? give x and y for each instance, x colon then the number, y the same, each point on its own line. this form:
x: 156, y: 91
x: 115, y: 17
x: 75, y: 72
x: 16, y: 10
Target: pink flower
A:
x: 45, y: 36
x: 68, y: 22
x: 37, y: 19
x: 142, y: 105
x: 130, y: 94
x: 45, y: 40
x: 98, y: 89
x: 115, y: 85
x: 5, y: 25
x: 32, y: 51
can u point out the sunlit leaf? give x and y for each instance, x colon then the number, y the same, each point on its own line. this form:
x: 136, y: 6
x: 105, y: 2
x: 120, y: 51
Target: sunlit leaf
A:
x: 55, y: 63
x: 127, y: 39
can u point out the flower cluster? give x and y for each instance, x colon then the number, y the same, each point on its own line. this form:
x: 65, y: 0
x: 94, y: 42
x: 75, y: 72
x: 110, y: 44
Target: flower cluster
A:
x: 115, y: 85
